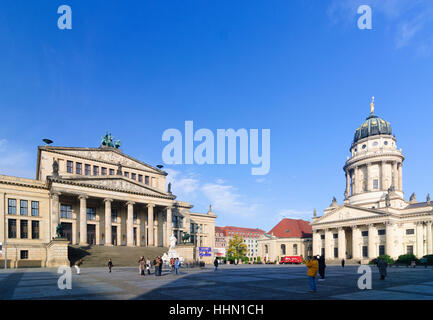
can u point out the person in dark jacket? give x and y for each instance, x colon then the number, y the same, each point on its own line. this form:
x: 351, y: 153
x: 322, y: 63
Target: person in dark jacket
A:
x: 110, y: 265
x: 382, y: 265
x: 322, y: 267
x: 160, y: 265
x: 215, y: 263
x: 343, y: 262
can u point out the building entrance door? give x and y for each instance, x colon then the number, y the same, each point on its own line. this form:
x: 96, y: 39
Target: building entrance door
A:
x: 114, y: 235
x: 135, y: 236
x: 91, y: 234
x: 67, y: 231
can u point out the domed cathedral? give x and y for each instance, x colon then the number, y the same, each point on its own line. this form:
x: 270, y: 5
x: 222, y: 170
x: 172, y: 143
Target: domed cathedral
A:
x: 374, y: 218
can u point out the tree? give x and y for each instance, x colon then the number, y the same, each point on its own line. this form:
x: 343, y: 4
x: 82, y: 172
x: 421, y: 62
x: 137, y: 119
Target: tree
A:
x: 237, y: 248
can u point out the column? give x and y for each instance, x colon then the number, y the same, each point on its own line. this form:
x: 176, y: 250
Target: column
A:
x: 400, y: 177
x: 341, y: 243
x: 150, y: 224
x: 395, y: 179
x: 347, y: 193
x: 429, y: 238
x: 389, y: 249
x: 169, y: 225
x: 357, y: 181
x: 55, y: 220
x: 156, y: 226
x: 369, y: 181
x: 419, y: 239
x: 317, y: 243
x: 356, y: 235
x: 74, y: 231
x: 382, y: 172
x: 372, y: 232
x: 328, y: 244
x: 130, y: 224
x: 108, y: 221
x: 83, y: 219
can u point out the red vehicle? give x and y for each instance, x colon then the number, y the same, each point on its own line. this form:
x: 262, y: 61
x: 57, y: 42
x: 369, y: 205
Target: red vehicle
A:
x: 291, y: 259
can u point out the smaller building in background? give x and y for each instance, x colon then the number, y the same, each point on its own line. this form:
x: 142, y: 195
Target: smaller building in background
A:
x: 290, y: 237
x: 249, y: 235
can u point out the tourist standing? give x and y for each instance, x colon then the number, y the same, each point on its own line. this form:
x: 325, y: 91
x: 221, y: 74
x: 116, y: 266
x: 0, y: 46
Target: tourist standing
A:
x: 322, y: 266
x: 160, y: 266
x: 382, y: 265
x: 171, y: 264
x: 176, y: 266
x: 343, y: 262
x: 148, y: 266
x: 155, y: 262
x: 78, y: 264
x: 215, y: 263
x: 142, y: 266
x: 312, y: 266
x: 110, y: 265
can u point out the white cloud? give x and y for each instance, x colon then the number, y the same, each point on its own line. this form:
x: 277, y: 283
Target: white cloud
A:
x: 184, y: 185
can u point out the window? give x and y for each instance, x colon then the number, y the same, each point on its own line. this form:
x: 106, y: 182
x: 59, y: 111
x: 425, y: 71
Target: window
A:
x: 24, y: 207
x: 409, y: 249
x: 111, y: 172
x: 65, y: 211
x: 381, y: 250
x: 335, y: 252
x: 385, y: 143
x: 126, y: 174
x: 133, y: 176
x: 134, y: 217
x: 375, y: 184
x: 113, y: 214
x: 24, y: 230
x: 364, y: 146
x: 35, y: 229
x: 283, y: 249
x: 104, y: 171
x: 140, y: 178
x: 365, y: 251
x: 69, y: 166
x: 322, y: 236
x: 35, y: 208
x: 87, y: 169
x: 12, y: 206
x: 295, y: 249
x: 12, y: 228
x: 410, y: 231
x: 91, y: 213
x: 95, y: 170
x: 78, y: 167
x: 364, y: 233
x: 335, y: 235
x: 146, y: 180
x: 24, y: 254
x: 381, y: 232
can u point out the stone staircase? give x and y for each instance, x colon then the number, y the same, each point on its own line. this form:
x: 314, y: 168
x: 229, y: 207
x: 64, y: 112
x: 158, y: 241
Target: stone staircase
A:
x: 97, y: 256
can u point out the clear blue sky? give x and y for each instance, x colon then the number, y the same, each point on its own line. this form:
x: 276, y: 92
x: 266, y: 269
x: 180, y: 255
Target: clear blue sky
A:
x: 300, y: 68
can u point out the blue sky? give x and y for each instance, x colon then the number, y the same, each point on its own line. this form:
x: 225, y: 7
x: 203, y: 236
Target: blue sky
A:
x: 299, y: 68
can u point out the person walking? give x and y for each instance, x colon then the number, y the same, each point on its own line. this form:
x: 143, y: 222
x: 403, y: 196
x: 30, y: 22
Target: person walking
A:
x: 155, y: 262
x: 78, y: 264
x: 312, y: 266
x: 160, y: 266
x: 382, y: 265
x: 148, y: 266
x: 322, y: 266
x: 343, y: 262
x: 176, y: 266
x: 110, y: 265
x: 142, y: 266
x: 172, y: 264
x: 215, y: 263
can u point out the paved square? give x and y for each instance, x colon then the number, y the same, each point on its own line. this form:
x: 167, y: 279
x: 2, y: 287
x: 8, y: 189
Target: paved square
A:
x: 244, y: 282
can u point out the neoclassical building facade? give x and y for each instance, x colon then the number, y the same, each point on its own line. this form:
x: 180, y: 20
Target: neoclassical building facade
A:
x: 374, y: 218
x: 100, y: 196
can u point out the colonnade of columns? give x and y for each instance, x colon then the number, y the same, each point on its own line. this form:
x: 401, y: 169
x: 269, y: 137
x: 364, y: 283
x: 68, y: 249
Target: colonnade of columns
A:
x: 352, y: 243
x: 131, y: 239
x: 355, y: 185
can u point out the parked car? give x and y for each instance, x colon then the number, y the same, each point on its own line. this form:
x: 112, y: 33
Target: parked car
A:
x: 291, y: 260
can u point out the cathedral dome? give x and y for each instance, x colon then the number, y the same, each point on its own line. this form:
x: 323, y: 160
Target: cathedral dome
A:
x: 373, y: 125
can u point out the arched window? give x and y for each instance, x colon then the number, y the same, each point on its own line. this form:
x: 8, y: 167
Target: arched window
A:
x: 283, y: 249
x: 266, y: 248
x: 295, y: 249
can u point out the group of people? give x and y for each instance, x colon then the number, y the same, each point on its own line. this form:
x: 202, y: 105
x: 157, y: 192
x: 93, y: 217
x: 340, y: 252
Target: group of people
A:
x: 317, y: 264
x: 174, y: 265
x: 143, y: 266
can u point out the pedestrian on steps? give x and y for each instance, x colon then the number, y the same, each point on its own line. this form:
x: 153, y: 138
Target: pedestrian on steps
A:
x: 110, y: 265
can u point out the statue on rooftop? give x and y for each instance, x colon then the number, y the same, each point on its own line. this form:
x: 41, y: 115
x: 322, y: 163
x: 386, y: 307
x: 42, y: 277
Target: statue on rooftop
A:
x: 107, y: 141
x: 55, y: 168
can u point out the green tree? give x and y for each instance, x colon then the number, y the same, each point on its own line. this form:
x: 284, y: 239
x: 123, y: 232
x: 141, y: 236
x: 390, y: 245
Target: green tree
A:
x: 237, y: 248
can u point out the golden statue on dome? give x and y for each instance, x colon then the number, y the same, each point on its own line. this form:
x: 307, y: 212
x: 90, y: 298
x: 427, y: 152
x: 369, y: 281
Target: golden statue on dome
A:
x: 372, y: 105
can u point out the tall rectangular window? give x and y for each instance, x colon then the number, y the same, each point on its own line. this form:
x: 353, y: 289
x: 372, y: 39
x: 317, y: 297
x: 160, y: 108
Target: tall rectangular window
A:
x: 69, y: 167
x: 381, y: 232
x: 87, y: 169
x: 113, y: 214
x: 78, y: 167
x: 24, y: 230
x: 111, y: 172
x: 65, y: 211
x: 35, y: 229
x: 91, y: 213
x: 35, y: 208
x: 95, y: 170
x: 364, y: 233
x: 134, y: 217
x: 146, y: 180
x: 335, y: 252
x: 375, y: 184
x: 365, y: 251
x: 12, y: 206
x: 381, y: 250
x: 133, y: 176
x: 103, y: 171
x: 409, y: 249
x: 126, y: 174
x: 12, y: 228
x: 24, y: 207
x: 140, y: 178
x: 24, y: 254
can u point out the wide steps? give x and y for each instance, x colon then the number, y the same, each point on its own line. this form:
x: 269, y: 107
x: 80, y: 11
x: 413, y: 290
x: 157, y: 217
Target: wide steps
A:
x: 122, y: 256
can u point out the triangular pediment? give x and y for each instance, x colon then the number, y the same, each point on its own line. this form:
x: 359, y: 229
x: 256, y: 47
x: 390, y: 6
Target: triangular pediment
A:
x: 115, y: 183
x: 107, y: 155
x: 346, y: 212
